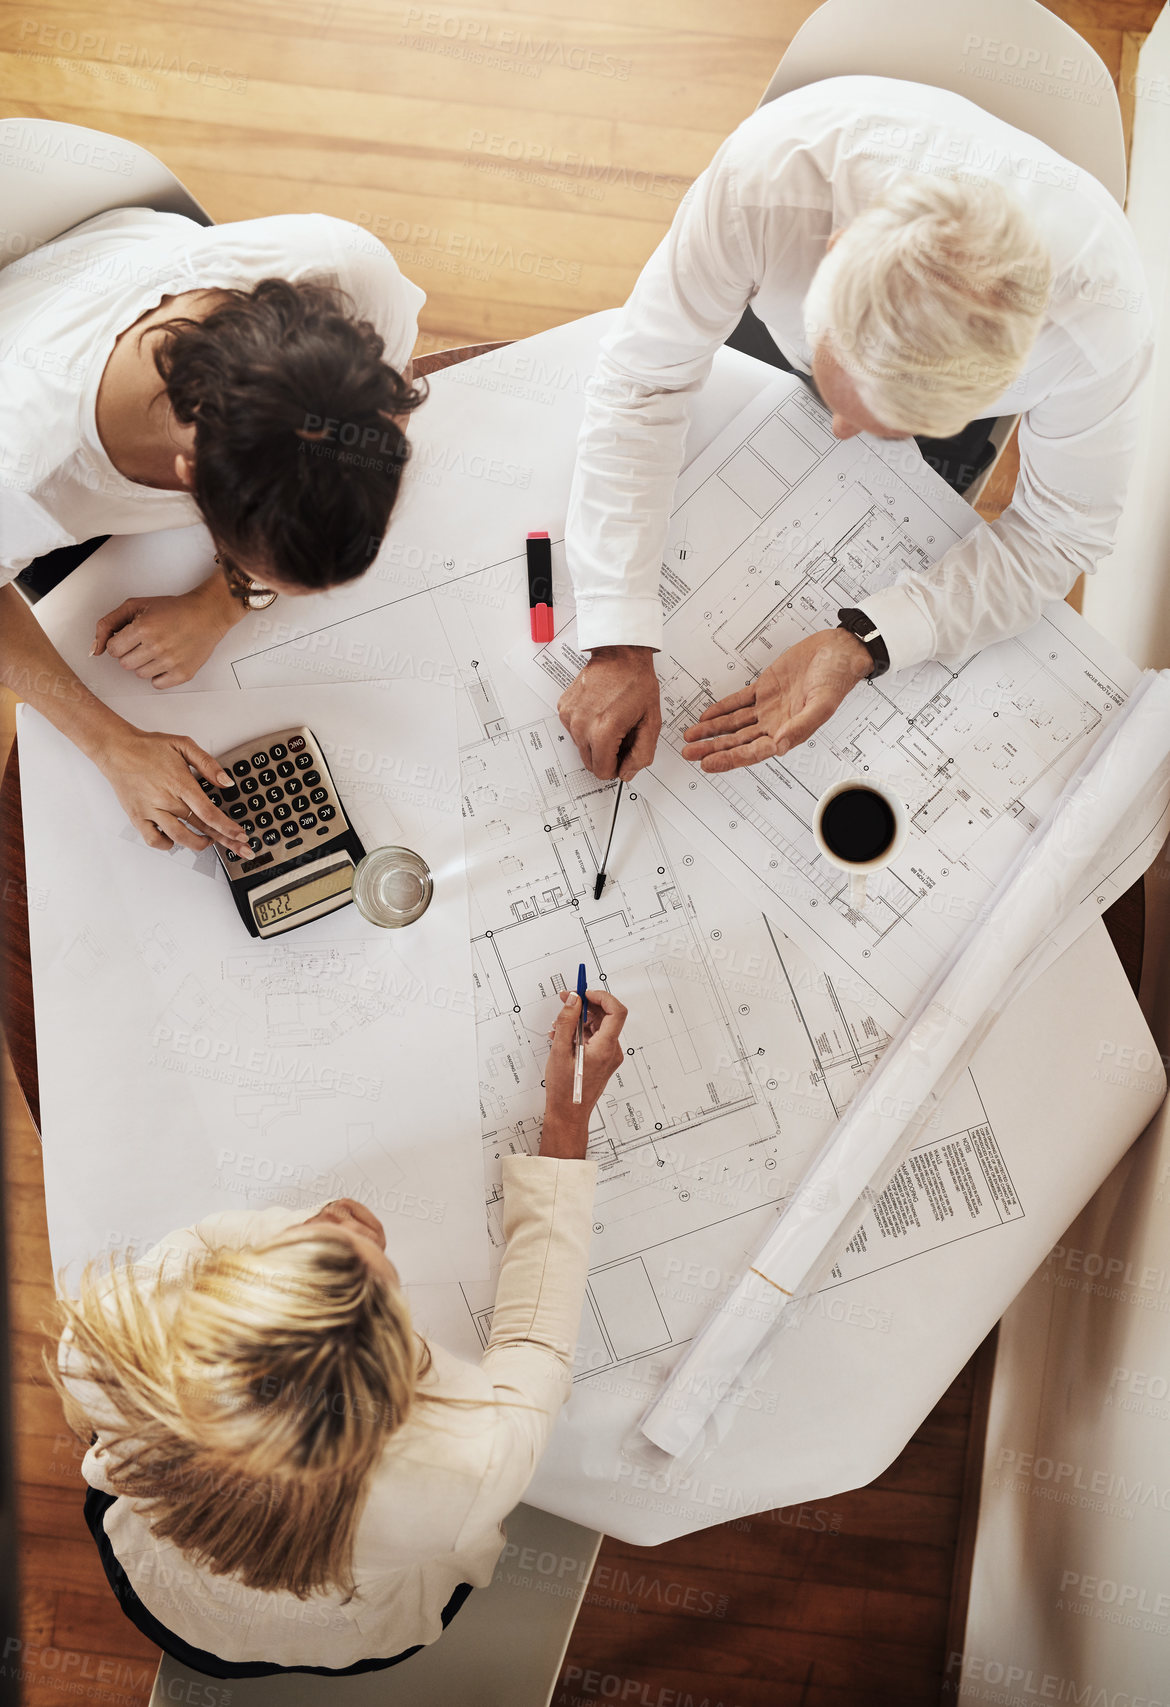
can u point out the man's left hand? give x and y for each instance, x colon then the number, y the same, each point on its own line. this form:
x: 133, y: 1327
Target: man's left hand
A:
x: 785, y: 704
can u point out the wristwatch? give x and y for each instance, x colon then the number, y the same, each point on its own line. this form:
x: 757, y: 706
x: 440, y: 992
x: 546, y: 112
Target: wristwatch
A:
x: 243, y: 589
x: 858, y: 623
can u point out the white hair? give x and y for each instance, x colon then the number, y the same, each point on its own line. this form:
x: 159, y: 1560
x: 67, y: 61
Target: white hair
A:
x: 931, y: 300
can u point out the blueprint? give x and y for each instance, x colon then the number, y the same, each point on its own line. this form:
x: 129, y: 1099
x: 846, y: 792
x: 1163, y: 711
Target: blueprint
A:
x: 740, y: 1054
x: 741, y: 1051
x: 777, y: 526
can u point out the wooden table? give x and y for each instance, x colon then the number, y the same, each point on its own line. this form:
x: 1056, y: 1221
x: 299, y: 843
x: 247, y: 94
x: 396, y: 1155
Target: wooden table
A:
x: 729, y: 1547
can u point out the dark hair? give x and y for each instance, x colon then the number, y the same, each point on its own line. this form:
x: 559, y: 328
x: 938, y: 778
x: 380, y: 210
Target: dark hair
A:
x: 297, y: 459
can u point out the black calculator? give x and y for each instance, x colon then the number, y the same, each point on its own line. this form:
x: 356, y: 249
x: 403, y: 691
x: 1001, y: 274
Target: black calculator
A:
x: 303, y: 847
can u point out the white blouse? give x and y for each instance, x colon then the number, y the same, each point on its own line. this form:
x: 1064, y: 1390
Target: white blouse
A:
x: 63, y: 306
x: 752, y: 229
x: 433, y: 1512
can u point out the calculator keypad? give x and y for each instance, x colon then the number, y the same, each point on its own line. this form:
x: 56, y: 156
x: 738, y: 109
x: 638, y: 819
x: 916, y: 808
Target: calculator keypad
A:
x: 285, y: 782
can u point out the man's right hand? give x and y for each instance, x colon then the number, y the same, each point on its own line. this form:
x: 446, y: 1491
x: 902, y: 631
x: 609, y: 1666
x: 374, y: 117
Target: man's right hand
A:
x: 151, y: 775
x: 612, y: 711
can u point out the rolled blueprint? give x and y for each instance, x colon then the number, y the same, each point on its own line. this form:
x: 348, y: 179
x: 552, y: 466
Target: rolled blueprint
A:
x: 1060, y: 863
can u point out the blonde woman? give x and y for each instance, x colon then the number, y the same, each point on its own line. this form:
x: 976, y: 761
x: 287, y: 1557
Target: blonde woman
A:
x: 283, y: 1475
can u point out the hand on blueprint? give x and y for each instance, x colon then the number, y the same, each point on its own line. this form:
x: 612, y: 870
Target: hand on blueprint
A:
x: 166, y: 640
x: 566, y: 1123
x: 151, y: 775
x: 612, y: 711
x: 785, y: 704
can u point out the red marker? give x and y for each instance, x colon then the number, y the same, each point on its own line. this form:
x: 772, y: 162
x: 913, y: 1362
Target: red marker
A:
x: 540, y: 597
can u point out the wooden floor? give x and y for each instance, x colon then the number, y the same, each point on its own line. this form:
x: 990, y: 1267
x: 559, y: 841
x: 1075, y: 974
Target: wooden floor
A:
x: 522, y: 161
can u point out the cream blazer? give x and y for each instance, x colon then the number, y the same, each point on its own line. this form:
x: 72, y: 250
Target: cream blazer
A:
x: 435, y: 1504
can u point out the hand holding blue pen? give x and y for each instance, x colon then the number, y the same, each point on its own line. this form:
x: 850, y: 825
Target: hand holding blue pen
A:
x: 579, y: 1065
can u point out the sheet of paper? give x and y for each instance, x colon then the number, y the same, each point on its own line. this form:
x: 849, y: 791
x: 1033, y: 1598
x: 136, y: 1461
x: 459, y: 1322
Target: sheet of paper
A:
x: 186, y: 1066
x: 703, y: 1136
x: 777, y: 525
x: 1007, y: 1161
x: 1129, y: 763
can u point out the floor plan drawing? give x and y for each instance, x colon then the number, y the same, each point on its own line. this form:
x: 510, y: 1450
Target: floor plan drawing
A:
x: 740, y: 1055
x: 777, y: 527
x: 758, y: 1001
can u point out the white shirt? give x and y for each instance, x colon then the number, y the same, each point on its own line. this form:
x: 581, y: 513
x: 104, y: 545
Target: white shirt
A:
x: 433, y: 1511
x: 753, y: 228
x: 63, y: 306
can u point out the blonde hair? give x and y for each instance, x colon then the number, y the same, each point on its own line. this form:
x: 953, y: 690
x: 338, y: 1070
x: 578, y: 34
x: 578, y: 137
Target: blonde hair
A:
x: 931, y: 300
x: 255, y: 1394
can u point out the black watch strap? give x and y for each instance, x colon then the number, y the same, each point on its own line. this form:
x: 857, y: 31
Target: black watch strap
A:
x: 858, y: 623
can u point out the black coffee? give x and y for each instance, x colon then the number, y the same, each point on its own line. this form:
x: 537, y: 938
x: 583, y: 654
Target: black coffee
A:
x: 858, y: 825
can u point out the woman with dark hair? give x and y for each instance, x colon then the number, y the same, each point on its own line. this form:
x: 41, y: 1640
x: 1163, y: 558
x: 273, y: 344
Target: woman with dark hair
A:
x: 255, y: 377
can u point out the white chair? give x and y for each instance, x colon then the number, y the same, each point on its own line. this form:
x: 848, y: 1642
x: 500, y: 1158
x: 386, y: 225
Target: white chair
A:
x: 57, y: 175
x: 1013, y: 58
x: 504, y: 1648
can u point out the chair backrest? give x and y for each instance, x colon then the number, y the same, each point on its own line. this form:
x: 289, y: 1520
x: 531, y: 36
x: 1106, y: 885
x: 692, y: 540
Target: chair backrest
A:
x: 56, y: 175
x: 1014, y: 58
x: 504, y: 1649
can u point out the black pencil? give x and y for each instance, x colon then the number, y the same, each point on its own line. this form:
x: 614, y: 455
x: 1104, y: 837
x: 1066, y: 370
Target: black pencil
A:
x: 599, y: 883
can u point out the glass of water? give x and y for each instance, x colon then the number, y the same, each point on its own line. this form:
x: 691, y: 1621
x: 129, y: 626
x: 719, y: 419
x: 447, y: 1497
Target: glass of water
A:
x: 392, y: 887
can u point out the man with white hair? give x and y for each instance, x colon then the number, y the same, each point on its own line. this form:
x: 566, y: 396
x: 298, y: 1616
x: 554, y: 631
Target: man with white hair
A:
x: 923, y: 265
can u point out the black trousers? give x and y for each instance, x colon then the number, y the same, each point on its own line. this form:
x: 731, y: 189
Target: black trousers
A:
x: 45, y: 573
x: 96, y: 1506
x: 959, y: 459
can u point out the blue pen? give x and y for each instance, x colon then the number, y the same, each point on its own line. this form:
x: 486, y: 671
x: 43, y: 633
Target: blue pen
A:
x: 579, y: 1067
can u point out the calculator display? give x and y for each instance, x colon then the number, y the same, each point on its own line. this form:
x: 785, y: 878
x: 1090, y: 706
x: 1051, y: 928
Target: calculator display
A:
x: 304, y: 894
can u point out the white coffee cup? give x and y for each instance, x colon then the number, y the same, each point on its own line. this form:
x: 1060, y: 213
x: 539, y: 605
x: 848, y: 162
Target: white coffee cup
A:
x: 859, y: 870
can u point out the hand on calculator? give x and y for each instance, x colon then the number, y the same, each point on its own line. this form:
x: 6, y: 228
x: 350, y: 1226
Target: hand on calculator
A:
x: 151, y: 775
